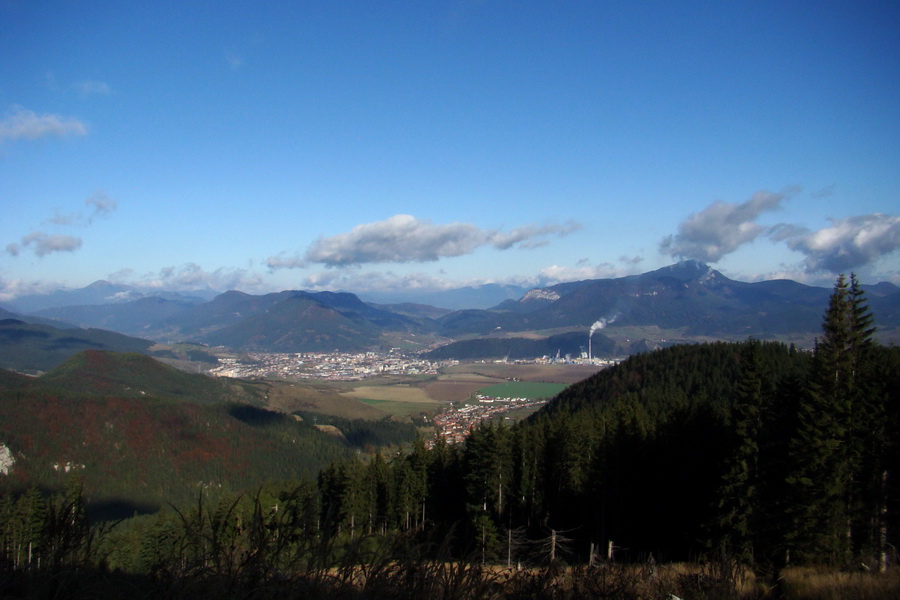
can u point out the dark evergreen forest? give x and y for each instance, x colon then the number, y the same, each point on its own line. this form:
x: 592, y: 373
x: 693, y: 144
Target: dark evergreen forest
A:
x: 754, y: 451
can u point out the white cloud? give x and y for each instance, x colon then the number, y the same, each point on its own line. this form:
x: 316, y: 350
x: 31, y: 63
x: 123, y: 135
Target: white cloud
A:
x: 847, y: 244
x: 10, y: 289
x: 63, y: 219
x: 631, y: 261
x: 21, y: 123
x: 44, y: 244
x: 189, y: 277
x: 405, y: 239
x: 388, y: 281
x: 556, y: 274
x: 101, y: 204
x: 88, y: 87
x: 721, y: 228
x: 377, y: 281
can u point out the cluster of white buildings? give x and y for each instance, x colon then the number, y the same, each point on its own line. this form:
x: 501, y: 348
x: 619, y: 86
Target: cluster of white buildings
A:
x: 455, y: 423
x: 335, y: 366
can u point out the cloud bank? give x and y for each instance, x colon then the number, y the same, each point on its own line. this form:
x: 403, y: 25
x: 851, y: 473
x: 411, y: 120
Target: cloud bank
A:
x: 390, y: 282
x: 20, y: 123
x: 406, y: 239
x: 559, y: 274
x: 721, y: 228
x: 189, y: 277
x: 849, y: 243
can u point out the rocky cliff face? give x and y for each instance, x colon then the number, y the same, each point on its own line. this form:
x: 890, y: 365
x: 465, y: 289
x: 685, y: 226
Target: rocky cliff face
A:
x: 6, y: 460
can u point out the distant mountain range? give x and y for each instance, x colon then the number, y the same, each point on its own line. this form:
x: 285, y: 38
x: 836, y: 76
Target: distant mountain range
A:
x: 34, y: 348
x: 99, y: 293
x: 689, y: 296
x: 479, y: 296
x: 687, y: 301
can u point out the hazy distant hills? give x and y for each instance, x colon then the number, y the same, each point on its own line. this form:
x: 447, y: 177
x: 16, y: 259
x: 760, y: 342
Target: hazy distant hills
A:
x: 689, y: 297
x: 141, y: 317
x: 98, y: 293
x: 480, y: 296
x: 30, y: 347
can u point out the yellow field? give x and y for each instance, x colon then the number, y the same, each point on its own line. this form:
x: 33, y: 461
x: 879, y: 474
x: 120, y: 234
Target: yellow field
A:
x: 394, y: 393
x: 456, y: 387
x: 290, y: 397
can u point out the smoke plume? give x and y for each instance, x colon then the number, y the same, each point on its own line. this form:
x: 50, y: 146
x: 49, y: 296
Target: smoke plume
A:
x: 601, y: 323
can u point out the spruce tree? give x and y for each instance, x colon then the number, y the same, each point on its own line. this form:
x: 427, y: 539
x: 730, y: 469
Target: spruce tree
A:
x: 828, y: 447
x: 867, y: 445
x: 861, y: 320
x: 738, y: 491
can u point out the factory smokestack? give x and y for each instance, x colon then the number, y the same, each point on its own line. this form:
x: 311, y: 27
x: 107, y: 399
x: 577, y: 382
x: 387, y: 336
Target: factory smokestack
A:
x: 598, y: 324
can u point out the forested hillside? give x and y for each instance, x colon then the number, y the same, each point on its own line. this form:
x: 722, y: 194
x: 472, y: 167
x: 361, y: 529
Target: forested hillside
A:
x: 138, y: 455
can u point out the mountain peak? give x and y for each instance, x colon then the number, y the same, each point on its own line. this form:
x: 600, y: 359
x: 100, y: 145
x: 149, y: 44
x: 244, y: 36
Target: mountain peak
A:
x: 692, y: 265
x: 688, y: 270
x: 99, y: 284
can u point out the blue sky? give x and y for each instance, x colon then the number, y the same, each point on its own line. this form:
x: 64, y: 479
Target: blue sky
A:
x: 424, y: 145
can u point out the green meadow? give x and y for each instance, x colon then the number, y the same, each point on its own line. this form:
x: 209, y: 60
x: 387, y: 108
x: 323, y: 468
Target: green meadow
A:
x: 532, y: 390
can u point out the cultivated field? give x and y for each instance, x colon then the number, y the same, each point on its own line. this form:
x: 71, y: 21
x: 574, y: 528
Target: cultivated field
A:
x: 401, y: 399
x: 553, y: 373
x: 456, y: 387
x: 323, y: 399
x: 378, y: 397
x: 533, y: 390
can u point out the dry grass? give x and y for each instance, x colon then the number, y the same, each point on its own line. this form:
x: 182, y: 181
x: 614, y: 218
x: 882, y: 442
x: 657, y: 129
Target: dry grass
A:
x: 392, y: 393
x: 290, y: 397
x: 809, y: 583
x: 455, y: 388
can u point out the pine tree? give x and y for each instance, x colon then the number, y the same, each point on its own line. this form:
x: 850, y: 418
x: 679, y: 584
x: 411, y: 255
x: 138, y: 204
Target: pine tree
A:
x: 861, y: 320
x: 738, y: 491
x: 31, y: 509
x: 380, y: 505
x: 418, y: 460
x: 828, y: 447
x: 868, y: 442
